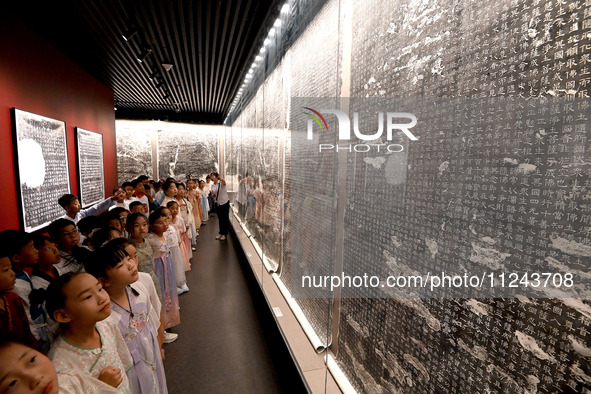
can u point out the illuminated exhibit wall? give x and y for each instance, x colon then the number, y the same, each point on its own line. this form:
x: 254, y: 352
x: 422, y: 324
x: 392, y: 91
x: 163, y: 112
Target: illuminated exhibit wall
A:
x: 161, y: 150
x: 495, y: 184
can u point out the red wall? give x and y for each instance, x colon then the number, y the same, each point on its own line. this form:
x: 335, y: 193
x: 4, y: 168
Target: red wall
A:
x: 36, y: 77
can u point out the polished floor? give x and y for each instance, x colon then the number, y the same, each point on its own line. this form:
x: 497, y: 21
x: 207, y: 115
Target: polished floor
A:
x: 227, y: 342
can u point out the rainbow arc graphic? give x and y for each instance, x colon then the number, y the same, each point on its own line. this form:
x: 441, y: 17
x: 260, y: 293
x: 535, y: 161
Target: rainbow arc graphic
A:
x: 315, y: 115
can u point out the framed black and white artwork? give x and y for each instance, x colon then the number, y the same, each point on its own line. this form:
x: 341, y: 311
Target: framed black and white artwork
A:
x: 41, y: 161
x: 91, y: 173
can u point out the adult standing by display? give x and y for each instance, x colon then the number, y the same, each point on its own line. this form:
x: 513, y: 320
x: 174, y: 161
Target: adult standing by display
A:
x: 220, y: 193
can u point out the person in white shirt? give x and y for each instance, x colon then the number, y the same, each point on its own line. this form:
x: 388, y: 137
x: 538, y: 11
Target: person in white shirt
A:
x: 129, y: 189
x: 73, y: 209
x: 140, y: 194
x: 220, y: 194
x: 119, y: 192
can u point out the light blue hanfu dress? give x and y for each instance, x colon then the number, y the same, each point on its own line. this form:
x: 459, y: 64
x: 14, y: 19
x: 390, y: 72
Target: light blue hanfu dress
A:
x: 147, y: 373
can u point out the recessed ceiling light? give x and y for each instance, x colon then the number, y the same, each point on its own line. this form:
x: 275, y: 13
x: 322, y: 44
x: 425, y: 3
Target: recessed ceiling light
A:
x: 128, y: 35
x: 144, y: 55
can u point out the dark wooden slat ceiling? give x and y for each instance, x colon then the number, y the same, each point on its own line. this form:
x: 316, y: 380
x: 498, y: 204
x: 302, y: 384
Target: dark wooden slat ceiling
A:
x: 209, y: 44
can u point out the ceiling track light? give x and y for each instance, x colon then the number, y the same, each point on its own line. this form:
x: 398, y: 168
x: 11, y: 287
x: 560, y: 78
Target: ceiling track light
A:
x: 249, y: 76
x: 144, y: 55
x: 159, y: 84
x: 128, y: 35
x: 153, y: 75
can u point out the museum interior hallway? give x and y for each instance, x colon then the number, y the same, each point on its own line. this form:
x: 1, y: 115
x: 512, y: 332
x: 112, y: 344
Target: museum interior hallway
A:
x: 228, y: 341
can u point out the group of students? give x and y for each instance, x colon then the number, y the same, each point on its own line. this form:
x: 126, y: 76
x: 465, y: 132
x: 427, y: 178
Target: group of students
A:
x: 86, y: 308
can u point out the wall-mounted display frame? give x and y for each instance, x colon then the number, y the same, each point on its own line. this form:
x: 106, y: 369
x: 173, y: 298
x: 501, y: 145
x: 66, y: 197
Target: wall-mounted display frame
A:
x: 41, y: 163
x: 90, y: 166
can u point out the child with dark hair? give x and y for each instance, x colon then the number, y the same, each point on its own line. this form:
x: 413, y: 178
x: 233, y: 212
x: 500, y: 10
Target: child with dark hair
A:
x: 65, y: 234
x: 45, y: 271
x: 121, y: 213
x: 179, y: 225
x: 19, y: 248
x: 128, y: 189
x: 163, y: 266
x: 140, y: 193
x: 111, y: 219
x: 86, y: 226
x: 120, y: 195
x: 25, y: 370
x: 137, y: 207
x: 174, y: 244
x: 204, y: 203
x: 43, y: 274
x: 193, y: 196
x: 14, y: 320
x: 73, y: 209
x: 138, y: 227
x: 150, y: 194
x: 103, y: 235
x: 170, y: 192
x: 129, y: 198
x: 132, y: 312
x: 185, y: 212
x: 90, y: 343
x: 143, y: 178
x: 146, y: 280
